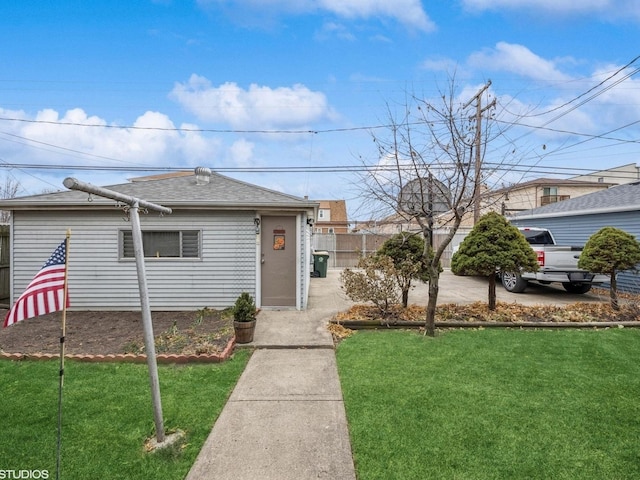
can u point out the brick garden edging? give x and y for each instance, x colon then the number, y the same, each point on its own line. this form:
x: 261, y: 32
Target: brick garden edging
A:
x: 165, y: 358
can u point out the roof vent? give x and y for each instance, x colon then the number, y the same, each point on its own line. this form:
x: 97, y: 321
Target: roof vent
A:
x: 203, y: 175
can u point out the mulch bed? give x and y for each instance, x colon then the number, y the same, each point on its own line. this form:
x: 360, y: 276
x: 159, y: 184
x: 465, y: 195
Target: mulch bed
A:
x: 477, y: 315
x: 106, y: 332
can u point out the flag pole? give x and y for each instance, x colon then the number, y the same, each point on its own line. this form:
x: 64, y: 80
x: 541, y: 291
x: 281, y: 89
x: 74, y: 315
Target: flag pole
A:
x: 63, y: 332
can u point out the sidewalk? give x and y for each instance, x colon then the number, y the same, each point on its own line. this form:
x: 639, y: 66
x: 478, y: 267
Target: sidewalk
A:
x: 285, y: 420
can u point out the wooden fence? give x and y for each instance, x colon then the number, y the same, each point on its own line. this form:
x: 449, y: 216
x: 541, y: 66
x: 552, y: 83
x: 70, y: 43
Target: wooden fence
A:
x: 345, y: 249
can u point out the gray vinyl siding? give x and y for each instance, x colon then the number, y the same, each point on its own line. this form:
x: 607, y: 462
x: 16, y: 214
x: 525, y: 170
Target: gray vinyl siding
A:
x: 576, y: 230
x: 100, y: 279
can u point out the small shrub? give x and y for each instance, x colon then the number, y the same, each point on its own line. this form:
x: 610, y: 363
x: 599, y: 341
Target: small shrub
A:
x: 377, y: 283
x: 244, y: 310
x: 407, y: 251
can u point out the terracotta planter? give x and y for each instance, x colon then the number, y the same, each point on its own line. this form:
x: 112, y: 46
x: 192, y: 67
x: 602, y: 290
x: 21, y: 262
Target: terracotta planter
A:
x: 244, y: 331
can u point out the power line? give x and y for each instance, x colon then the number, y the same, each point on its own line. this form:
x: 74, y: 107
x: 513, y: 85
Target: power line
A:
x: 196, y: 130
x: 494, y: 166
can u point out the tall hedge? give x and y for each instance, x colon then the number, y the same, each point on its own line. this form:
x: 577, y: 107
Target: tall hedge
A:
x: 493, y: 246
x: 609, y: 251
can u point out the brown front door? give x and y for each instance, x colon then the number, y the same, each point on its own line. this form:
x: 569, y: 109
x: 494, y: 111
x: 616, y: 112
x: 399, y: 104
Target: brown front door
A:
x: 278, y: 273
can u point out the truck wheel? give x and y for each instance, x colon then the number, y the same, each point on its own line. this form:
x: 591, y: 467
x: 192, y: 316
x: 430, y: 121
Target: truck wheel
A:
x: 513, y: 282
x: 576, y: 287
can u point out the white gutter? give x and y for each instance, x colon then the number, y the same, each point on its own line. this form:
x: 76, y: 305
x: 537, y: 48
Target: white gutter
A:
x: 574, y: 213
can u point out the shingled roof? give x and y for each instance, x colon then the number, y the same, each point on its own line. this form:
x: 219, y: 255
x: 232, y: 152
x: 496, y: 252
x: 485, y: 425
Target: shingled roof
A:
x: 620, y: 198
x: 552, y: 182
x: 179, y: 190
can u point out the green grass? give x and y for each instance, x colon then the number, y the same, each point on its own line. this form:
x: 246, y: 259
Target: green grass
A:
x: 107, y: 415
x: 493, y: 404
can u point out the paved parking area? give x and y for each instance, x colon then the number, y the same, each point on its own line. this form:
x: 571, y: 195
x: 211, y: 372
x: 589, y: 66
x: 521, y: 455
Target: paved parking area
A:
x: 464, y: 290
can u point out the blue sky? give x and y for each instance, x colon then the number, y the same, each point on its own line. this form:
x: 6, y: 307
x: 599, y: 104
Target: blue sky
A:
x: 240, y: 84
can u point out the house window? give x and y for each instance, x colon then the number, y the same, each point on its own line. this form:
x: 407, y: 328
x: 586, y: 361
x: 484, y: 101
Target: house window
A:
x: 164, y: 244
x: 324, y: 215
x: 550, y: 195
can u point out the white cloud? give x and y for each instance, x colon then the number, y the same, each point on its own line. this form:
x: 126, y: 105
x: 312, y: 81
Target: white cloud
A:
x: 517, y: 59
x: 76, y: 138
x: 408, y: 12
x: 257, y: 108
x: 241, y: 152
x: 623, y: 100
x: 624, y: 9
x: 440, y: 64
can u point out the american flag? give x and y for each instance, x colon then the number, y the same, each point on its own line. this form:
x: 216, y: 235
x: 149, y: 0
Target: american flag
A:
x: 45, y: 293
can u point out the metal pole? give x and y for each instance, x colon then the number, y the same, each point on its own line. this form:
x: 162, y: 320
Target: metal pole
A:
x: 149, y: 342
x: 136, y: 232
x: 63, y: 333
x: 73, y: 184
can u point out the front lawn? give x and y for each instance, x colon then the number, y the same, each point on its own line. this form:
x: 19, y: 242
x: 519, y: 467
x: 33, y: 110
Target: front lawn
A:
x: 107, y: 415
x: 493, y: 404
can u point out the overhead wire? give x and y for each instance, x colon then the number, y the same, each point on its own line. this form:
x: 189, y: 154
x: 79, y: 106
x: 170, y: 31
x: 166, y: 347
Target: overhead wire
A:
x: 496, y: 166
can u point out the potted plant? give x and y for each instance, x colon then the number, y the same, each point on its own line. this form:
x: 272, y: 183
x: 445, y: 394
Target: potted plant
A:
x: 244, y: 318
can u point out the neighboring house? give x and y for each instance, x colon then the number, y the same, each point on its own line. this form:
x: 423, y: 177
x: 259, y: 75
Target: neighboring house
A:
x: 572, y: 222
x: 223, y: 237
x: 507, y: 201
x: 538, y: 193
x: 390, y: 225
x: 332, y: 217
x: 628, y: 173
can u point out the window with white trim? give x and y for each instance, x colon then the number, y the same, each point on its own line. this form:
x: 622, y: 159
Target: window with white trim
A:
x: 163, y: 244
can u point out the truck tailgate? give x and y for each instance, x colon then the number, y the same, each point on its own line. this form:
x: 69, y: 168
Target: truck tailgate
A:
x: 561, y: 257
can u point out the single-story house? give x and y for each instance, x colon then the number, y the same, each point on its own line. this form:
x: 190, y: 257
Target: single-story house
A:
x: 223, y: 237
x: 573, y: 221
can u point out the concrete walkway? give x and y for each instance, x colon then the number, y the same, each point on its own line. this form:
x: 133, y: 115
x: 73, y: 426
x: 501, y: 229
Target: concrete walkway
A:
x: 285, y: 419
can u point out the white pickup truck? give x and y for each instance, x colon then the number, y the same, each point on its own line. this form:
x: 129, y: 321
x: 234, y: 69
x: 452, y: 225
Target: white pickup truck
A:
x: 558, y: 263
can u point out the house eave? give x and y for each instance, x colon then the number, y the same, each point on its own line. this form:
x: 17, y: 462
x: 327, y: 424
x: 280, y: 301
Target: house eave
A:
x: 184, y: 205
x: 592, y: 211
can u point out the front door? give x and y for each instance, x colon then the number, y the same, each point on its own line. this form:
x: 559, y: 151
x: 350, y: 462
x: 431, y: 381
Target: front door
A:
x: 278, y: 273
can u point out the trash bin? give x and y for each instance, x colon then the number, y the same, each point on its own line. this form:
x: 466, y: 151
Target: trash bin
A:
x: 320, y: 260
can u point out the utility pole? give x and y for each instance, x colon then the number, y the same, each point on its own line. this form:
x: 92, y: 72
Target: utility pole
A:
x: 478, y: 142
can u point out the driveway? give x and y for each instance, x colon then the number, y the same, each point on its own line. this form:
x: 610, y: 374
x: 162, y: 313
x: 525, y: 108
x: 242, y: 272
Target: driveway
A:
x: 464, y: 290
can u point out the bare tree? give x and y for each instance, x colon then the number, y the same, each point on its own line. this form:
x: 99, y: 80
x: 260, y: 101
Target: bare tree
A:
x: 427, y: 172
x: 8, y: 190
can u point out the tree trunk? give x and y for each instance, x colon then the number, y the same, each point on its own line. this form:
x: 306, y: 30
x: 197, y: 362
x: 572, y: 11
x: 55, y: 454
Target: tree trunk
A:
x: 405, y: 297
x: 492, y: 292
x: 430, y: 320
x: 613, y: 292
